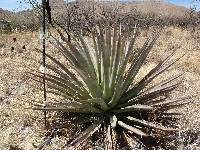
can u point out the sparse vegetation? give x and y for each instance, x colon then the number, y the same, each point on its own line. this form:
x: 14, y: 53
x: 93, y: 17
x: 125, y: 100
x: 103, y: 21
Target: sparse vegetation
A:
x: 81, y: 16
x: 22, y: 128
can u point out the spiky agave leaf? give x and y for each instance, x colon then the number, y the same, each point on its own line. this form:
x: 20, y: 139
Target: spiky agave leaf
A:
x: 102, y: 84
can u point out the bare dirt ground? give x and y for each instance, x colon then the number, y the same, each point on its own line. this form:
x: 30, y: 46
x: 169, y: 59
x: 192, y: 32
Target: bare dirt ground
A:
x: 23, y: 129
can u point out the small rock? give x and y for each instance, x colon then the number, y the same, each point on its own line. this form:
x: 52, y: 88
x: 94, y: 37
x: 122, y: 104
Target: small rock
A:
x: 20, y: 89
x: 15, y: 147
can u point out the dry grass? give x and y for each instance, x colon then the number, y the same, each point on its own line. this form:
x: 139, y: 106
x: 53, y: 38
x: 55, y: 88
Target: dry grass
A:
x: 22, y: 128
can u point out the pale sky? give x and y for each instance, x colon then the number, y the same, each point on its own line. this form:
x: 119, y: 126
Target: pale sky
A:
x: 15, y: 5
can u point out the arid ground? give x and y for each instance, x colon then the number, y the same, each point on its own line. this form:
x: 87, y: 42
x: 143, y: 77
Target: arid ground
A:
x: 21, y: 128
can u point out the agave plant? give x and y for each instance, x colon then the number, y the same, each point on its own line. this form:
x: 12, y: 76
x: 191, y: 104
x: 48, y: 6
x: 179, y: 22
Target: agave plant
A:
x: 99, y: 82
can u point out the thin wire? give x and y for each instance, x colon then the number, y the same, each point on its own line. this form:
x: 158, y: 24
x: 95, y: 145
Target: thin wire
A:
x: 44, y: 58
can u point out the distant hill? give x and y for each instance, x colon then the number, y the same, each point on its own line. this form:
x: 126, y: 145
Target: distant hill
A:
x: 23, y: 18
x: 22, y: 15
x: 157, y: 8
